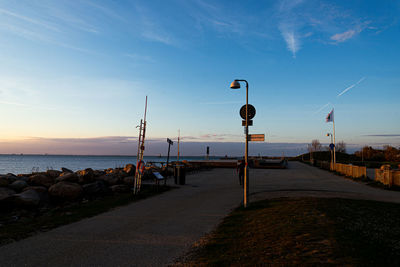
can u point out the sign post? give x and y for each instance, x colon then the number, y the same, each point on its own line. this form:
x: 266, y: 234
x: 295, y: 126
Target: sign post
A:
x: 170, y: 142
x: 257, y: 137
x: 247, y: 112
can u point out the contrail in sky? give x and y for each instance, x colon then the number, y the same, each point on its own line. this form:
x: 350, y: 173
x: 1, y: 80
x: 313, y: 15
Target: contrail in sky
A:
x: 324, y: 106
x: 351, y: 86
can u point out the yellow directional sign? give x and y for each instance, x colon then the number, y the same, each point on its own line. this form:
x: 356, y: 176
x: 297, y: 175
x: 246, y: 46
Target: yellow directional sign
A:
x: 256, y: 137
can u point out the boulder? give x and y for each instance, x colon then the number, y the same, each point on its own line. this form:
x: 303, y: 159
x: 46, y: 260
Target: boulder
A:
x: 67, y: 177
x: 98, y: 173
x: 130, y: 169
x: 39, y: 189
x: 66, y: 191
x: 3, y: 181
x: 5, y: 193
x: 109, y: 170
x: 18, y: 185
x: 85, y: 176
x: 120, y: 188
x: 7, y: 179
x: 53, y: 173
x: 110, y: 179
x: 130, y: 180
x: 98, y: 188
x: 40, y: 179
x: 65, y: 170
x: 28, y: 198
x: 23, y: 178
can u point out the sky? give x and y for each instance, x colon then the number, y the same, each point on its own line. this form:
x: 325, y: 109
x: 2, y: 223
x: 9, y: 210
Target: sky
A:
x: 74, y: 74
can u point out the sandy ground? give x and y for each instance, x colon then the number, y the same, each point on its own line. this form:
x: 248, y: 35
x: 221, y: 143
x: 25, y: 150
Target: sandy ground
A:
x: 155, y: 231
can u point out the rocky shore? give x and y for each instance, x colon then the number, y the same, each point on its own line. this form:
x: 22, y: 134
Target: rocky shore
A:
x: 36, y: 190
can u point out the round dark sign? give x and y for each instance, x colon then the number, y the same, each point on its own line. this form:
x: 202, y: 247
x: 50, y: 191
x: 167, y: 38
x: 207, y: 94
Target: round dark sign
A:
x: 331, y: 146
x: 251, y: 112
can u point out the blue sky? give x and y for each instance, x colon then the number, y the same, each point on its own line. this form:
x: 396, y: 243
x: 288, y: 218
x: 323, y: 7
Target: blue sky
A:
x: 79, y: 71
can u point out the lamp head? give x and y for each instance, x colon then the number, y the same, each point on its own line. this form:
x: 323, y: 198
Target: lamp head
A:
x: 235, y: 85
x: 328, y: 134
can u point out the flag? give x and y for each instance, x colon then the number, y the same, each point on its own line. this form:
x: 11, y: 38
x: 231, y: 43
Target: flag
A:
x: 329, y: 118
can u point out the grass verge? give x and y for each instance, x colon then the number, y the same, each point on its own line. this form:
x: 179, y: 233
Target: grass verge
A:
x: 305, y: 232
x: 32, y: 222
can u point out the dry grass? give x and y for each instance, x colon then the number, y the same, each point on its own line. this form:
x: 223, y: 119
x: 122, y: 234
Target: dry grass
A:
x: 31, y: 222
x: 304, y: 232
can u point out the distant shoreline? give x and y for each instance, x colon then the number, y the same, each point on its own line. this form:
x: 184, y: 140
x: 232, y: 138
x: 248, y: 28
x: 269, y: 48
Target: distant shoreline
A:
x: 88, y: 155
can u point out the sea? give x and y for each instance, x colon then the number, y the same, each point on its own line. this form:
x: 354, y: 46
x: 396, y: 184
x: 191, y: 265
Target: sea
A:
x: 25, y: 164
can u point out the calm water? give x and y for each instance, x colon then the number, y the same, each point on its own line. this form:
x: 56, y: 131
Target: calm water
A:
x: 27, y: 163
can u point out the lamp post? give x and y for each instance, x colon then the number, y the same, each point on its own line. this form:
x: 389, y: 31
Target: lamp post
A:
x: 236, y: 85
x: 331, y: 149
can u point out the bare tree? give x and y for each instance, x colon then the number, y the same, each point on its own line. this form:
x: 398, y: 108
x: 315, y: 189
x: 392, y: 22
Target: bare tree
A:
x: 341, y: 147
x: 391, y: 153
x: 316, y: 145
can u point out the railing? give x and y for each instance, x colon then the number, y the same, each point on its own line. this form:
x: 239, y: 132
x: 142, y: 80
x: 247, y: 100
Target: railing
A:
x: 387, y: 176
x: 350, y: 170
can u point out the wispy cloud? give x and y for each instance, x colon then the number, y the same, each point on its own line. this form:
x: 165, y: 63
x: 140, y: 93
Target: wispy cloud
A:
x: 220, y: 103
x: 51, y: 27
x: 104, y: 139
x: 138, y: 57
x: 351, y: 86
x: 219, y: 137
x: 292, y: 42
x: 382, y: 135
x: 341, y: 37
x: 288, y: 5
x: 29, y: 20
x: 152, y: 29
x: 290, y: 23
x: 356, y: 29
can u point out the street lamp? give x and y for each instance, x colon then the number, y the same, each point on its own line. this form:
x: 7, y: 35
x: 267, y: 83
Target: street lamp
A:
x: 236, y: 85
x: 331, y: 149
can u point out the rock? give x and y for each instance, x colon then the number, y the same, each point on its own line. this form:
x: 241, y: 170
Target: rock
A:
x: 85, y: 176
x: 5, y: 193
x: 65, y: 170
x: 40, y: 179
x: 97, y: 188
x: 23, y: 178
x: 4, y: 181
x: 18, y: 185
x: 98, y: 173
x: 130, y: 180
x: 130, y: 169
x: 67, y: 177
x: 7, y: 179
x: 110, y: 179
x: 53, y: 173
x: 66, y: 191
x: 39, y: 189
x: 120, y: 188
x: 28, y: 198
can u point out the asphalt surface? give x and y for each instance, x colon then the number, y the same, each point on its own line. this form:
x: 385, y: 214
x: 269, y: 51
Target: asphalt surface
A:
x: 157, y: 230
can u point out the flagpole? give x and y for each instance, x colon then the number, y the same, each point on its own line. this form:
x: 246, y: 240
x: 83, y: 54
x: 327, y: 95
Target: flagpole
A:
x: 334, y: 141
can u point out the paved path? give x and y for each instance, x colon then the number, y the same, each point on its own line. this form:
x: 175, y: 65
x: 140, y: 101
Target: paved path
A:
x: 303, y: 180
x: 155, y: 231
